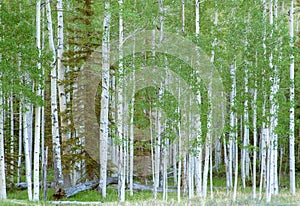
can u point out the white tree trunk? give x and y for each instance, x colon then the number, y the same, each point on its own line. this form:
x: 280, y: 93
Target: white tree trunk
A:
x: 61, y: 88
x: 26, y: 116
x: 206, y: 161
x: 54, y: 105
x: 120, y: 111
x: 2, y: 160
x: 179, y: 173
x: 157, y: 148
x: 265, y: 130
x: 131, y: 137
x: 131, y: 124
x: 20, y: 142
x: 245, y: 152
x: 199, y: 147
x: 292, y: 106
x: 104, y: 99
x: 254, y: 106
x: 232, y: 134
x: 44, y: 186
x: 12, y: 136
x: 37, y: 122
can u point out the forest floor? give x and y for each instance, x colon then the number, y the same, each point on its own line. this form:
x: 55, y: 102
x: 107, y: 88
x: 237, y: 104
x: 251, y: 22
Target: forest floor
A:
x: 141, y: 198
x: 244, y: 197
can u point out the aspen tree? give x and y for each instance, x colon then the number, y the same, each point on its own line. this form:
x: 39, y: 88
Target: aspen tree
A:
x: 233, y: 124
x: 131, y: 126
x: 26, y: 116
x: 60, y: 86
x: 54, y: 105
x: 210, y: 112
x: 2, y: 160
x: 254, y: 123
x: 245, y: 152
x: 12, y: 135
x: 37, y: 134
x: 104, y: 98
x: 179, y: 151
x: 120, y: 111
x: 292, y: 106
x: 199, y: 148
x: 20, y: 142
x: 265, y: 131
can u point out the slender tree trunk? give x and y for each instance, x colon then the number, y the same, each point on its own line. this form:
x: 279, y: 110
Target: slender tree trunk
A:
x: 264, y: 132
x: 2, y: 160
x: 199, y: 147
x: 120, y: 111
x: 54, y: 105
x: 292, y: 107
x: 104, y: 98
x: 36, y: 165
x: 20, y: 142
x: 254, y: 105
x: 26, y: 116
x: 45, y: 172
x: 37, y: 122
x: 157, y: 148
x: 131, y: 126
x: 206, y: 161
x: 246, y: 133
x: 233, y: 119
x: 61, y: 88
x: 12, y: 137
x: 174, y: 159
x: 43, y: 107
x: 274, y: 111
x: 179, y: 173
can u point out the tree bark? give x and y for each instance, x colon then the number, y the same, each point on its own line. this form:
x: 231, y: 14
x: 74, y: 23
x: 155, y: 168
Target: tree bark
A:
x: 104, y: 99
x: 54, y: 105
x: 61, y: 88
x: 37, y: 122
x: 292, y: 106
x: 2, y: 160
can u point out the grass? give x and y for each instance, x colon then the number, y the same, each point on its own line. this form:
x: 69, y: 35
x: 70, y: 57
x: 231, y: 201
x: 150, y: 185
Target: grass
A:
x: 145, y: 198
x: 244, y: 197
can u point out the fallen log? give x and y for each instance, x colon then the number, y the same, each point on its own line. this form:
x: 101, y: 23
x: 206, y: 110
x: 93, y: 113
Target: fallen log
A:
x: 74, y: 203
x: 90, y: 185
x: 23, y: 185
x: 71, y: 191
x: 141, y: 187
